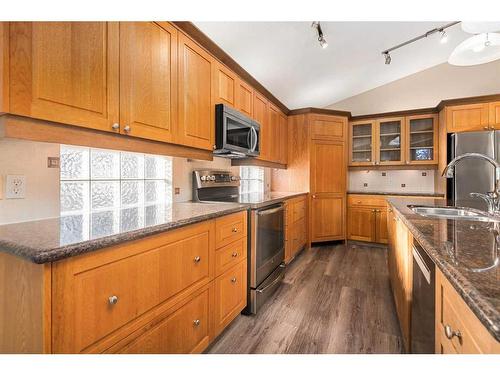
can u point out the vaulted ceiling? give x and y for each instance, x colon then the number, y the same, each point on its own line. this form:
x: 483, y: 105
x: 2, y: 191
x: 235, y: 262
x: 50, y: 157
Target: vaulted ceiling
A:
x: 287, y: 59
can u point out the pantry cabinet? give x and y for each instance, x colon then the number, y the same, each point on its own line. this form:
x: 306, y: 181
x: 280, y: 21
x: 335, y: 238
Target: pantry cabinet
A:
x: 66, y: 72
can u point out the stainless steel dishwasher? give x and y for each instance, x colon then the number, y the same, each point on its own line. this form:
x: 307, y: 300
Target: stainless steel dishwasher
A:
x: 423, y: 302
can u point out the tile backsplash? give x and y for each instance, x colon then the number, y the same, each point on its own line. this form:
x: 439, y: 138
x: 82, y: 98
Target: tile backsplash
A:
x: 392, y: 181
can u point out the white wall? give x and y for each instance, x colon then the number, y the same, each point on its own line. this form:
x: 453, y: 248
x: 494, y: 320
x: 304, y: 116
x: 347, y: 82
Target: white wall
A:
x: 414, y: 181
x: 42, y: 183
x: 426, y: 89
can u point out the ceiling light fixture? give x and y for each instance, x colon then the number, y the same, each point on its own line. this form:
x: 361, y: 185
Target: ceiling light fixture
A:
x: 428, y: 33
x: 476, y: 50
x: 321, y: 39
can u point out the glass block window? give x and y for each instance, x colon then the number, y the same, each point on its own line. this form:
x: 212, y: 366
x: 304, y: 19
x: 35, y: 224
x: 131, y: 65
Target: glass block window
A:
x: 252, y: 180
x: 95, y: 180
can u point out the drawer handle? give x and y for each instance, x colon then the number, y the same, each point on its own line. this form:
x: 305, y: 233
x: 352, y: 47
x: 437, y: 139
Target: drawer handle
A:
x: 197, y: 259
x: 450, y: 333
x: 127, y: 129
x: 233, y: 280
x: 113, y: 300
x: 234, y: 230
x: 234, y: 255
x: 196, y: 322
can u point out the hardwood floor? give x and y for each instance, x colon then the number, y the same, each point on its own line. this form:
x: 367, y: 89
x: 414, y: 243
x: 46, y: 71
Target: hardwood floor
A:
x: 334, y: 299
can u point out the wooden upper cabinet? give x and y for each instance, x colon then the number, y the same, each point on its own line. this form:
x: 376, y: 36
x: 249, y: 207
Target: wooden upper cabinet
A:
x: 148, y: 79
x: 467, y: 117
x: 283, y: 123
x: 273, y: 134
x: 65, y: 72
x: 260, y: 114
x: 361, y: 140
x: 494, y: 117
x: 328, y: 171
x: 244, y: 98
x: 196, y: 109
x: 422, y: 139
x: 225, y: 85
x: 325, y: 127
x: 390, y: 141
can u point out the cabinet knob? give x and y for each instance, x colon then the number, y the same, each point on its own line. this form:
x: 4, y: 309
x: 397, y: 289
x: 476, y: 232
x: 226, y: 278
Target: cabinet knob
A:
x: 127, y: 129
x: 234, y: 255
x: 486, y: 127
x: 390, y: 210
x: 196, y: 322
x: 115, y: 126
x: 113, y: 300
x: 314, y: 196
x: 235, y: 230
x: 374, y: 210
x: 197, y: 259
x: 233, y: 280
x: 407, y: 162
x: 450, y: 333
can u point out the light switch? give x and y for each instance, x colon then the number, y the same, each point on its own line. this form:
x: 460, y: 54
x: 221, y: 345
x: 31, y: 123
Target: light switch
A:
x: 15, y: 187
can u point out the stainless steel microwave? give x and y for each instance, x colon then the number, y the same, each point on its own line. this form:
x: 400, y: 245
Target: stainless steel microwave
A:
x: 236, y: 135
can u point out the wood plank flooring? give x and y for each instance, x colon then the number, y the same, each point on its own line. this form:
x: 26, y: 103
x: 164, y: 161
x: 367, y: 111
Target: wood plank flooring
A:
x: 334, y: 299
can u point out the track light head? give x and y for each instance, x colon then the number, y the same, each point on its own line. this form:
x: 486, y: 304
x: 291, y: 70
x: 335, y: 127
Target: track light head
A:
x: 321, y: 39
x: 387, y: 58
x: 444, y: 37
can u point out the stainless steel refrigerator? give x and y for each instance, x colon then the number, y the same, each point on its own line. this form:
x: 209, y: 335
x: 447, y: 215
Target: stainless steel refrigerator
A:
x: 473, y: 175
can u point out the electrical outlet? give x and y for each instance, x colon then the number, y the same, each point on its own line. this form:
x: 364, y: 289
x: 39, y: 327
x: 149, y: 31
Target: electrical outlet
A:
x: 15, y: 187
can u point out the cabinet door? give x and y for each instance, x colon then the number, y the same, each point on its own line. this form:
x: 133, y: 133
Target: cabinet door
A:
x: 327, y: 217
x: 65, y: 72
x: 361, y: 224
x: 274, y: 134
x: 225, y: 84
x: 422, y: 136
x: 467, y: 117
x: 325, y: 127
x: 148, y: 79
x: 196, y: 110
x: 390, y: 141
x: 283, y: 139
x: 361, y: 139
x: 494, y: 117
x: 230, y: 296
x: 382, y: 235
x: 244, y: 98
x: 260, y: 114
x: 328, y: 167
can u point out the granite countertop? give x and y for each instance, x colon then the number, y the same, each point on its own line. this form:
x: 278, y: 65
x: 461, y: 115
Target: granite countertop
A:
x: 397, y: 194
x: 54, y: 239
x: 465, y: 252
x: 258, y: 200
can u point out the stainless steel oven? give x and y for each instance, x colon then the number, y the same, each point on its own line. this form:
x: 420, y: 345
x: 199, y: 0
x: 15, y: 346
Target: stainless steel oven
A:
x: 267, y: 254
x: 236, y: 135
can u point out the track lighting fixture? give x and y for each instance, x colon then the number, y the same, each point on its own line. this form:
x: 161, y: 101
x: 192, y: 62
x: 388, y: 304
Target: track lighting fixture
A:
x: 443, y: 39
x: 321, y: 39
x: 387, y: 58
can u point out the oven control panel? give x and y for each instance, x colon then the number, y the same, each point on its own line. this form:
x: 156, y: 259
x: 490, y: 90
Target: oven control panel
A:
x: 210, y: 178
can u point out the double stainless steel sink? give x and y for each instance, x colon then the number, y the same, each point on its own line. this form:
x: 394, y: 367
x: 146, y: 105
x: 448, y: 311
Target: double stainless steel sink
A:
x: 457, y: 213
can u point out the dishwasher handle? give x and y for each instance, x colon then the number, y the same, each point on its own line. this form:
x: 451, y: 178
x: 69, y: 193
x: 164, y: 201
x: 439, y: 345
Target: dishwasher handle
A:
x: 270, y: 211
x: 421, y: 264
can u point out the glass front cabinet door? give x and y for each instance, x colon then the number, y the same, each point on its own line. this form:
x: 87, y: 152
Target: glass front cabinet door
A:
x: 422, y: 135
x: 390, y: 141
x: 361, y: 143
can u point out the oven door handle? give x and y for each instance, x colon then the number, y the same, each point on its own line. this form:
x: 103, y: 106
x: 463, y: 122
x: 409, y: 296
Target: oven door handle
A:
x: 256, y: 139
x: 277, y: 280
x: 271, y: 211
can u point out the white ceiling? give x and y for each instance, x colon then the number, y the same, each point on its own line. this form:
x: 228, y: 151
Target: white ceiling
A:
x: 286, y: 57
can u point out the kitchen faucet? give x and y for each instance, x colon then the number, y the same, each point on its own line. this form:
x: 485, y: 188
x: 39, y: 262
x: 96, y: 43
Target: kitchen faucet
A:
x: 492, y: 198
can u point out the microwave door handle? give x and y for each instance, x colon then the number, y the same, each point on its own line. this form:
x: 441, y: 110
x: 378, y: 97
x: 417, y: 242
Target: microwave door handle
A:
x: 256, y: 139
x: 250, y: 138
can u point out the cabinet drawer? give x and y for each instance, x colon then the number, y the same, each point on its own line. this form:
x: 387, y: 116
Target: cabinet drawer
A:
x: 366, y: 200
x: 299, y: 236
x: 299, y: 209
x: 230, y: 296
x: 230, y: 228
x: 84, y: 317
x: 184, y: 331
x: 229, y: 255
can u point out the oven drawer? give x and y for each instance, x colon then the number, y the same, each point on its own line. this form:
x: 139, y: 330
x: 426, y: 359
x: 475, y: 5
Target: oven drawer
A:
x: 230, y: 228
x: 261, y: 294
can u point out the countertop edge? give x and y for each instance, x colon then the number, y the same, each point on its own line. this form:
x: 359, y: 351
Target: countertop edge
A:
x: 431, y: 195
x: 458, y: 282
x: 89, y: 246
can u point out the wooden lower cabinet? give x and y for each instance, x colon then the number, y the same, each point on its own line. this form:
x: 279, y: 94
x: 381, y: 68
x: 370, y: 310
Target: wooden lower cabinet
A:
x: 327, y: 217
x: 360, y: 224
x: 167, y: 293
x: 295, y: 226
